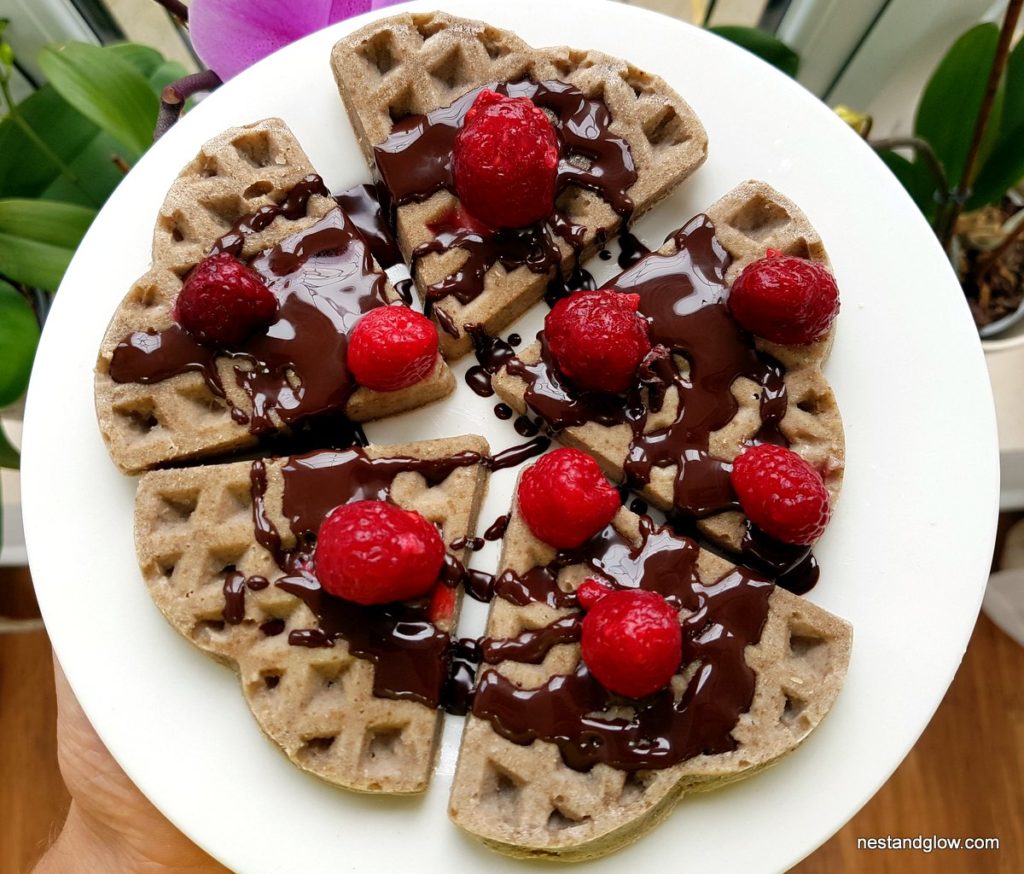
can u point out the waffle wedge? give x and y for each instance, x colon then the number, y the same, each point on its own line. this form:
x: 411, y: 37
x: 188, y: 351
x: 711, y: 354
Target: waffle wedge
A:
x: 750, y: 219
x: 414, y: 64
x: 199, y: 413
x: 525, y: 799
x: 354, y: 721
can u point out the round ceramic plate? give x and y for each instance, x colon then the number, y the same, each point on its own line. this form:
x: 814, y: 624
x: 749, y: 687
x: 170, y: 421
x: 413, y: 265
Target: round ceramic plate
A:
x: 905, y: 559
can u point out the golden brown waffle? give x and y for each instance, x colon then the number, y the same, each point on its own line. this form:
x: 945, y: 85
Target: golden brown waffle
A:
x: 751, y: 218
x: 525, y: 801
x: 194, y: 526
x: 415, y: 63
x: 234, y: 174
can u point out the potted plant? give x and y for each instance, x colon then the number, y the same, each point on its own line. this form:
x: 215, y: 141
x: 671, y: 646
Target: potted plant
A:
x: 63, y: 150
x: 966, y: 160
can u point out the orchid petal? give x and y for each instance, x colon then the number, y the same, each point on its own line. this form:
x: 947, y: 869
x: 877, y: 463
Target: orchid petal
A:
x: 230, y: 35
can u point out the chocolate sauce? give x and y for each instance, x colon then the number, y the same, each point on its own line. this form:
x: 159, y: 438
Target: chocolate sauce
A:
x: 403, y: 288
x: 573, y: 711
x: 638, y: 506
x: 516, y: 455
x: 514, y: 340
x: 683, y: 295
x: 492, y: 353
x: 525, y: 426
x: 464, y: 657
x: 324, y: 279
x: 631, y: 250
x: 363, y: 208
x: 415, y: 162
x: 496, y: 531
x: 473, y: 544
x: 503, y: 412
x: 407, y: 648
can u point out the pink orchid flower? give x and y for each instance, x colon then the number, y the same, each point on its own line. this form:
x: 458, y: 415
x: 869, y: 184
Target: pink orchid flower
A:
x: 230, y: 35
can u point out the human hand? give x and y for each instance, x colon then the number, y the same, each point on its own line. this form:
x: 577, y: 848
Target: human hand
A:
x: 111, y: 826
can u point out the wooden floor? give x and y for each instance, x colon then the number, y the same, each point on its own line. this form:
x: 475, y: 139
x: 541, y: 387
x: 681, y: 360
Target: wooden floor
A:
x: 963, y: 779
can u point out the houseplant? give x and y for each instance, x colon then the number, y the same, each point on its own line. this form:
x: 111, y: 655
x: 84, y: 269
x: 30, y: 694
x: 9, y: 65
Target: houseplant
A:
x: 966, y: 160
x: 63, y: 149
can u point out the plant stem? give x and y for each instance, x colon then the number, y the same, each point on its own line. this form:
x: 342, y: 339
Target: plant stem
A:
x: 178, y: 9
x: 946, y: 224
x: 925, y: 150
x: 173, y: 97
x: 15, y: 115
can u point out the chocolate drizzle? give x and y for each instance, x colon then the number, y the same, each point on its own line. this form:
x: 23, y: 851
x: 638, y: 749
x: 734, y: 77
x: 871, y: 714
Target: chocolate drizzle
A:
x: 683, y: 296
x: 324, y: 279
x: 403, y: 641
x: 719, y: 621
x: 415, y: 162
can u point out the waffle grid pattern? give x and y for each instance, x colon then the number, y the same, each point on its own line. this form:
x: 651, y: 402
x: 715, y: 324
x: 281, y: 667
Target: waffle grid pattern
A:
x: 195, y: 526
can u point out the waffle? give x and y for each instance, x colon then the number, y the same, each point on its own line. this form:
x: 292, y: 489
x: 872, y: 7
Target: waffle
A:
x: 194, y: 526
x: 524, y: 800
x: 748, y: 220
x: 415, y: 63
x: 180, y: 418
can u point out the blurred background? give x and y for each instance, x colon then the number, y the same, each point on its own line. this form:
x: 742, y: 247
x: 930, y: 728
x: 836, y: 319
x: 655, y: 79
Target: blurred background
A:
x: 936, y: 86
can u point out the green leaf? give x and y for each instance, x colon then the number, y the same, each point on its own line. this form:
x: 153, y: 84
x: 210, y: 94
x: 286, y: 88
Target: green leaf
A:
x: 762, y: 44
x: 165, y: 74
x: 9, y: 457
x: 38, y: 238
x: 1004, y: 167
x: 107, y: 89
x: 25, y: 169
x: 915, y: 176
x: 143, y: 58
x: 95, y: 163
x: 19, y: 335
x: 952, y: 98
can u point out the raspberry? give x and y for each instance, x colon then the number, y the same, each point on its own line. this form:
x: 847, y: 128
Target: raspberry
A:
x: 392, y: 348
x: 631, y: 641
x: 785, y: 299
x: 505, y: 161
x: 565, y: 499
x: 223, y: 301
x: 372, y: 552
x: 781, y: 494
x: 598, y: 339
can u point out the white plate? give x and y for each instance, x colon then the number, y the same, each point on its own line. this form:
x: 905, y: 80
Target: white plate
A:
x: 904, y: 560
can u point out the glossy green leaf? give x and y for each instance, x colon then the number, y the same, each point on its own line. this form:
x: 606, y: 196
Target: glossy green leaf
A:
x: 25, y: 168
x: 1004, y: 166
x: 165, y: 74
x: 38, y: 238
x: 143, y: 58
x: 952, y: 98
x: 107, y: 89
x: 762, y: 44
x: 95, y: 163
x: 19, y: 335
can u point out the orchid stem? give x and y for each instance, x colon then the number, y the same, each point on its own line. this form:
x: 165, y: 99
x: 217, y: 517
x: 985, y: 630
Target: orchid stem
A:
x: 178, y: 9
x: 173, y: 97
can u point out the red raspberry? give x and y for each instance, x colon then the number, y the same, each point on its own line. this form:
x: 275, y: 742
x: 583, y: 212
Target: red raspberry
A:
x: 372, y: 552
x: 631, y: 642
x: 781, y: 494
x: 505, y: 161
x: 565, y: 499
x: 392, y: 348
x: 223, y: 301
x: 785, y: 299
x: 598, y: 339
